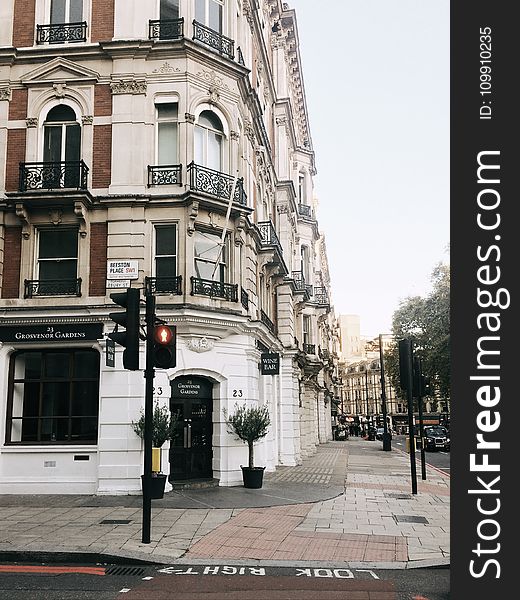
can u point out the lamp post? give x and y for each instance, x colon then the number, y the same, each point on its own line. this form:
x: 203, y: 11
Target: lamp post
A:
x: 387, y: 438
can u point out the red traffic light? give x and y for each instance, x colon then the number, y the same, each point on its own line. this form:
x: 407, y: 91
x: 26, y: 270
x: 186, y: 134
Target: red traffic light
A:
x: 163, y: 335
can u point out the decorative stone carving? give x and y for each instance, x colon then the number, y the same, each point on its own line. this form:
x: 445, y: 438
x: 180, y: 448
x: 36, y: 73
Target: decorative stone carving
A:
x: 59, y: 89
x: 31, y: 122
x: 5, y: 93
x: 214, y: 96
x: 212, y: 79
x: 79, y: 211
x: 193, y: 211
x: 240, y: 224
x: 87, y: 119
x: 234, y: 135
x: 282, y: 209
x: 166, y: 68
x: 202, y: 344
x: 130, y: 86
x: 55, y: 215
x: 23, y: 215
x: 189, y: 117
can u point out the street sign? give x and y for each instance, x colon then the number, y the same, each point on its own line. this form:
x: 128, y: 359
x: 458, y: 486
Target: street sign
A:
x: 110, y: 353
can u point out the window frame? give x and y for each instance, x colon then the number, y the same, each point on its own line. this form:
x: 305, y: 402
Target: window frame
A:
x: 38, y: 260
x: 224, y: 258
x: 155, y: 256
x: 158, y: 121
x: 73, y: 383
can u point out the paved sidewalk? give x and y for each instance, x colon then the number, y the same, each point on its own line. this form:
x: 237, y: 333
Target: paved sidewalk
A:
x: 348, y: 505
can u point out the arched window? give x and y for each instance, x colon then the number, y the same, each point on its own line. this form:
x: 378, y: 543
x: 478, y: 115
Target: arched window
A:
x: 209, y: 141
x: 62, y: 144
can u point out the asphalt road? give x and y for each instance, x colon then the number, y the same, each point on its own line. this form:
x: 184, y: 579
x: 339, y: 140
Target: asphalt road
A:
x: 438, y: 458
x: 217, y: 582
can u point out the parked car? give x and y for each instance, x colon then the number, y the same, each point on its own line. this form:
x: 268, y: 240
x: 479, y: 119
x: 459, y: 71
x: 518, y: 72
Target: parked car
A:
x: 437, y: 438
x: 380, y: 431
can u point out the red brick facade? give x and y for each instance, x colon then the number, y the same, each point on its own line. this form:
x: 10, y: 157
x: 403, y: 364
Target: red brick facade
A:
x: 15, y: 155
x: 18, y: 105
x: 102, y: 166
x: 98, y: 259
x: 12, y: 260
x: 102, y: 28
x: 23, y: 23
x: 102, y: 101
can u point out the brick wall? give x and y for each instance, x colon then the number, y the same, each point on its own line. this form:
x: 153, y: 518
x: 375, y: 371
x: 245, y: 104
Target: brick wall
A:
x: 12, y: 260
x: 102, y: 162
x: 102, y: 27
x: 18, y: 105
x: 98, y: 258
x: 23, y: 23
x: 15, y: 155
x: 102, y: 101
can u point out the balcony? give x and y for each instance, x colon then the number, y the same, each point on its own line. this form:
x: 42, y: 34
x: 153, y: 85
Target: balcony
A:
x: 163, y: 285
x: 321, y: 297
x: 52, y: 287
x: 61, y: 33
x: 164, y: 175
x: 214, y: 289
x: 240, y: 58
x: 267, y: 322
x: 300, y: 285
x: 309, y: 348
x: 244, y: 298
x: 305, y: 211
x: 268, y: 235
x: 216, y: 184
x: 53, y: 175
x: 166, y: 29
x: 214, y: 39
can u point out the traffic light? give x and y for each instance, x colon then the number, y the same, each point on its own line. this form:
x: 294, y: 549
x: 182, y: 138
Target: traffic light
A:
x: 426, y: 386
x: 130, y: 321
x: 405, y: 361
x: 164, y: 346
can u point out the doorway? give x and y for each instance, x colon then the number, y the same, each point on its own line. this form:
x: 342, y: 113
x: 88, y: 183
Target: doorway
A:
x: 191, y: 449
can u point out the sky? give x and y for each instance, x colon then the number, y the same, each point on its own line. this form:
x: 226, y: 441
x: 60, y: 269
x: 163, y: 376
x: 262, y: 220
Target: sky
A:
x: 376, y: 78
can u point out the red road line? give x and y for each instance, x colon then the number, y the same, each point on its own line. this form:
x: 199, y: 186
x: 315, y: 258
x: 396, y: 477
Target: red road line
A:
x: 51, y: 570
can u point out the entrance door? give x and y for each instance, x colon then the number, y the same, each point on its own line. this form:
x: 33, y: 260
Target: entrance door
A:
x: 191, y: 449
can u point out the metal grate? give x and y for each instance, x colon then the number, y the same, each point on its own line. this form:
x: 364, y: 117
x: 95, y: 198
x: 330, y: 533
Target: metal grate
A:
x: 117, y: 570
x: 115, y: 522
x: 398, y: 496
x: 410, y: 519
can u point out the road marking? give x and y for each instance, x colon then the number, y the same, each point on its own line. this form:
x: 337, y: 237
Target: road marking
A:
x: 51, y: 570
x: 124, y: 590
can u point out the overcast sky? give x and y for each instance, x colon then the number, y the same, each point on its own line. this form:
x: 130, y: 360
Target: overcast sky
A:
x: 376, y: 75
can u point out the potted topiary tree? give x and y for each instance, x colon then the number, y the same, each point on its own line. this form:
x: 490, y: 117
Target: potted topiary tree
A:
x: 163, y: 427
x: 250, y: 425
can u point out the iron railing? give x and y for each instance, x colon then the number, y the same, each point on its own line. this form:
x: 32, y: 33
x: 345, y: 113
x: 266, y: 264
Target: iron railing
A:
x: 214, y: 289
x: 166, y: 29
x: 163, y: 285
x: 52, y: 287
x: 53, y: 175
x: 320, y: 296
x: 268, y: 234
x: 244, y: 298
x: 216, y: 183
x: 240, y: 57
x: 61, y: 33
x: 214, y: 39
x: 267, y: 321
x: 164, y: 175
x: 304, y: 210
x: 309, y: 348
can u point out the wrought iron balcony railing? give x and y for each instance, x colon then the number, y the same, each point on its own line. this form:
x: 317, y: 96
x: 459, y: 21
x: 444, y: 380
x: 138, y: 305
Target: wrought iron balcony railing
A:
x: 214, y: 39
x: 244, y: 298
x: 163, y: 285
x: 320, y: 296
x: 61, y: 33
x: 53, y: 175
x: 214, y: 289
x: 240, y: 56
x: 166, y: 29
x: 164, y: 175
x: 304, y: 210
x: 216, y: 183
x: 268, y: 234
x: 309, y: 348
x: 300, y: 285
x: 267, y: 321
x: 52, y: 287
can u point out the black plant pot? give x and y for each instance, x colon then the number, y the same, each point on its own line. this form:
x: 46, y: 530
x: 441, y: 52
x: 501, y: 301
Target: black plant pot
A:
x: 253, y: 477
x: 157, y: 483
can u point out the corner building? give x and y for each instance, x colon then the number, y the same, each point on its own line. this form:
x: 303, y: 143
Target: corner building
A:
x: 162, y: 145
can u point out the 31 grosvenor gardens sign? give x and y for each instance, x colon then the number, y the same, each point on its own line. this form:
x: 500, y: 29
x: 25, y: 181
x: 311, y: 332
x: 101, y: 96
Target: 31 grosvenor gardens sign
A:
x: 52, y: 332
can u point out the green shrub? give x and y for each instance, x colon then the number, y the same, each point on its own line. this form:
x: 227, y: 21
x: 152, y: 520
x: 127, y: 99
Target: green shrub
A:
x: 163, y: 425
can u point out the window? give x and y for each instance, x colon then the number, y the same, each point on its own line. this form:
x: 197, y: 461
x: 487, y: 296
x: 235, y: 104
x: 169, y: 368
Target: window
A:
x: 53, y: 397
x: 209, y: 140
x: 209, y: 13
x: 301, y: 188
x: 166, y: 251
x: 210, y: 256
x: 305, y: 263
x: 66, y: 11
x: 306, y: 329
x: 61, y: 143
x: 57, y: 263
x: 167, y: 117
x: 168, y: 10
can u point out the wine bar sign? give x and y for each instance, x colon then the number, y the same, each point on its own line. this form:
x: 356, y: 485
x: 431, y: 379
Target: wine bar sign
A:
x: 270, y: 363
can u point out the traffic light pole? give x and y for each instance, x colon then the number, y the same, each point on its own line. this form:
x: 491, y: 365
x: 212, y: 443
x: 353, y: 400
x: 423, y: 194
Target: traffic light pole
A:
x: 421, y: 424
x: 387, y: 437
x: 406, y: 356
x: 148, y: 416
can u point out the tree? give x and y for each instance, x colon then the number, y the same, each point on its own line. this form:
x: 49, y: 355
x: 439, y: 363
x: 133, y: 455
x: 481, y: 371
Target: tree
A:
x: 426, y: 320
x: 249, y: 424
x: 163, y: 425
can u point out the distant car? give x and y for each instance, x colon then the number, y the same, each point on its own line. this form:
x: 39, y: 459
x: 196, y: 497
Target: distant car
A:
x: 437, y: 438
x: 379, y: 433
